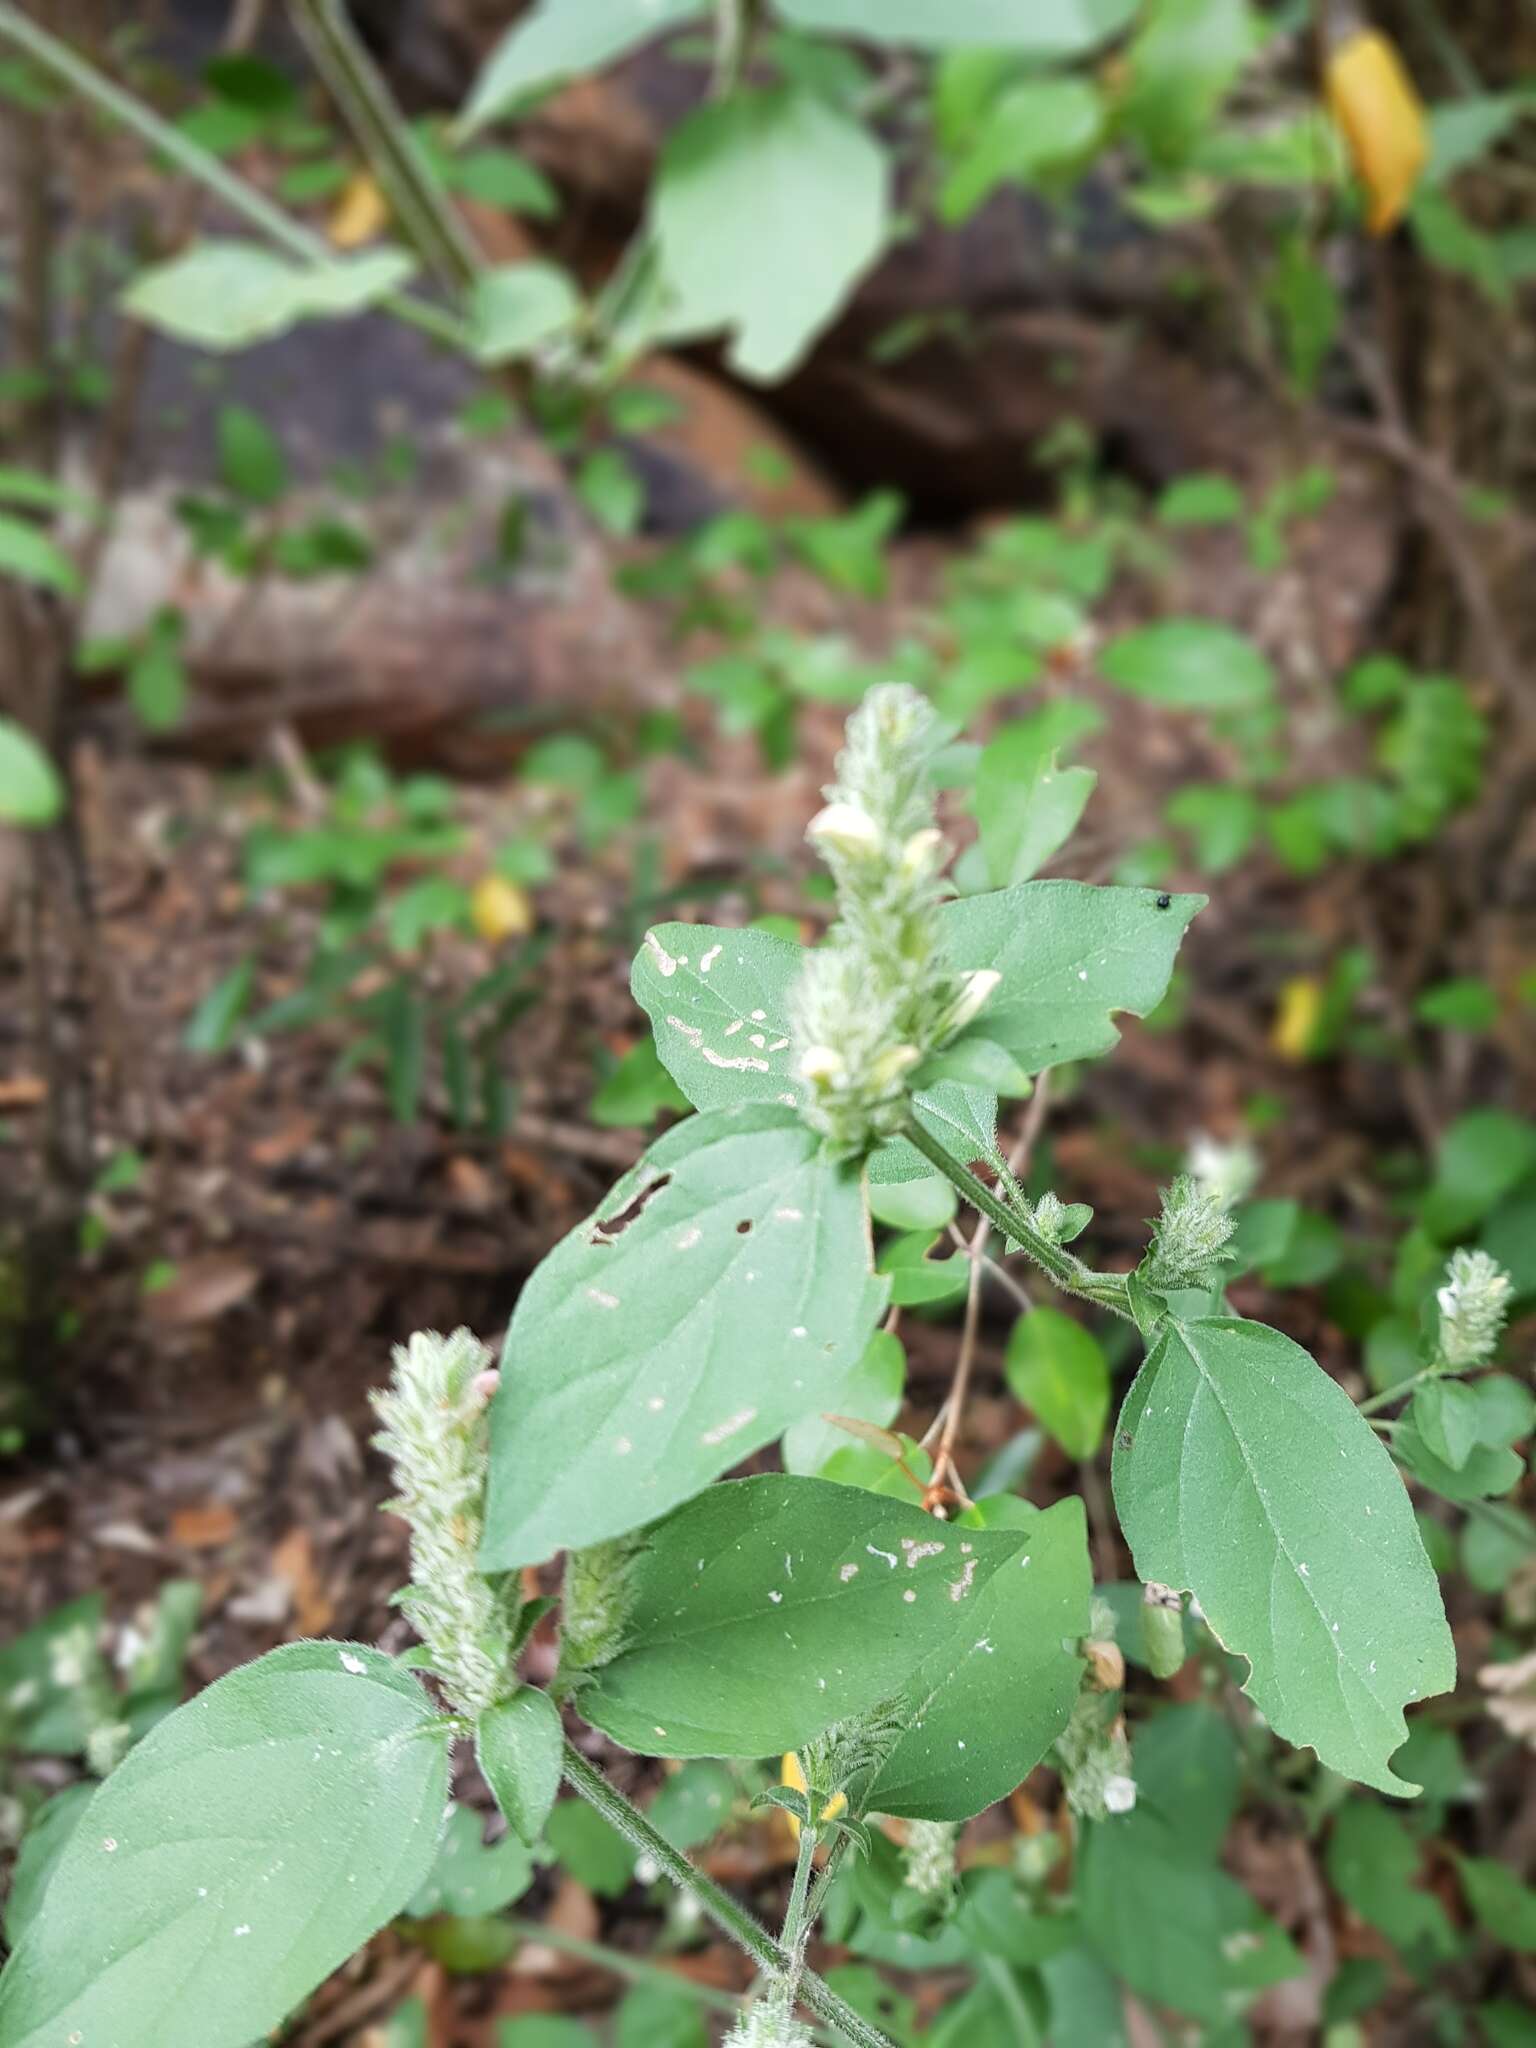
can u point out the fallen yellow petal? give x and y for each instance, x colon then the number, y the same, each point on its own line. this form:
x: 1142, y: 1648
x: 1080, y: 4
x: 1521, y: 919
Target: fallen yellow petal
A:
x: 1296, y: 1019
x: 360, y: 213
x: 1373, y: 99
x: 500, y: 910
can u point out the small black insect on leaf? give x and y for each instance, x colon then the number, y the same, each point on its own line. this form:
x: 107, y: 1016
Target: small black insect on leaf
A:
x: 1165, y: 901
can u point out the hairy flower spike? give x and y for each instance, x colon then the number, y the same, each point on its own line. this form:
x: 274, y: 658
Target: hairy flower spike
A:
x: 767, y: 2025
x: 594, y: 1606
x: 1189, y: 1238
x: 879, y: 996
x: 78, y: 1667
x: 435, y: 1435
x: 929, y: 1857
x: 1473, y: 1304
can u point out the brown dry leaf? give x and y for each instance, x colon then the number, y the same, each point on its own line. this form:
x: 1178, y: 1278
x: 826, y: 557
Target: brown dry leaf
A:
x: 293, y: 1561
x: 203, y: 1288
x: 204, y: 1527
x: 285, y: 1143
x: 470, y: 1184
x: 22, y: 1091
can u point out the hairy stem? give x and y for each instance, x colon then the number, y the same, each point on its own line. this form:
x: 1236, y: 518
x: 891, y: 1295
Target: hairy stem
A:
x: 420, y: 205
x: 797, y: 1921
x: 1108, y: 1290
x: 189, y: 156
x: 747, y: 1932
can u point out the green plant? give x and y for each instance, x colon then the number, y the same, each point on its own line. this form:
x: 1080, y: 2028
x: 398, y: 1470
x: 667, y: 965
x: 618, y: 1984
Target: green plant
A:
x: 917, y: 1663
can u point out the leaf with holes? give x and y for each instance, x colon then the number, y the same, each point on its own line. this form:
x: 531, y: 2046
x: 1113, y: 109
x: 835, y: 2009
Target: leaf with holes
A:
x: 989, y: 1701
x: 723, y: 1291
x: 719, y: 1005
x: 1246, y: 1476
x: 245, y: 1848
x: 718, y: 1001
x: 769, y: 1608
x: 1070, y: 954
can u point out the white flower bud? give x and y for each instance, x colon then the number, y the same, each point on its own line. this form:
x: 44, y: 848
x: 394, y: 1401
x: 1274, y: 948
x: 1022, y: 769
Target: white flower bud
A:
x: 822, y: 1065
x: 974, y: 991
x: 923, y: 851
x: 847, y: 829
x: 1119, y: 1793
x: 887, y: 1067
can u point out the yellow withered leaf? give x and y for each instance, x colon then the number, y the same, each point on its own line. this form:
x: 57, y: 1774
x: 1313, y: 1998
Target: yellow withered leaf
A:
x: 359, y: 214
x: 1373, y: 99
x: 1296, y: 1019
x: 500, y: 910
x: 792, y: 1777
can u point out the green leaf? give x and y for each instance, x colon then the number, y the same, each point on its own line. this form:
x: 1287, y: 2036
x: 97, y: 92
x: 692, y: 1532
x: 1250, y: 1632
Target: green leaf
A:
x: 1194, y: 664
x: 1154, y: 1903
x: 654, y: 2016
x: 1180, y: 66
x: 1045, y: 28
x: 1027, y: 805
x: 1070, y: 955
x: 1484, y: 1155
x: 1373, y: 1864
x: 558, y: 39
x: 812, y: 183
x: 251, y: 461
x: 517, y: 1746
x: 228, y: 295
x: 1502, y: 1905
x: 637, y: 1090
x: 986, y: 1704
x: 1059, y: 1371
x: 1445, y: 1413
x: 157, y: 676
x: 768, y: 1608
x: 44, y: 1718
x: 471, y: 1877
x: 1222, y: 821
x: 721, y: 1292
x: 515, y: 306
x: 214, y: 1021
x: 1244, y: 1475
x: 1462, y: 1005
x: 872, y: 1394
x: 590, y: 1849
x: 30, y: 790
x: 1201, y: 501
x: 718, y: 1001
x: 1039, y: 126
x: 244, y: 1849
x: 47, y: 1837
x: 27, y: 552
x: 694, y: 1803
x: 610, y: 487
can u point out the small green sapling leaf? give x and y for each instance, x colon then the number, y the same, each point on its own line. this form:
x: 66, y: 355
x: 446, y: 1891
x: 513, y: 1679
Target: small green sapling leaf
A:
x: 517, y: 1744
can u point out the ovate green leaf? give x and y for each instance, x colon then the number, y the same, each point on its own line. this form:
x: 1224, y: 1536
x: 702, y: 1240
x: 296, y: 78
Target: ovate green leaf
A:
x: 518, y: 1744
x: 718, y: 1001
x: 227, y: 295
x: 559, y: 38
x: 811, y: 182
x: 1194, y: 664
x: 515, y: 306
x: 249, y: 1845
x: 1070, y: 955
x: 768, y: 1608
x: 1246, y: 1476
x: 987, y: 1703
x: 1045, y: 28
x: 1026, y: 803
x: 26, y: 552
x: 720, y: 1293
x: 1156, y: 1905
x: 30, y: 790
x: 1059, y: 1371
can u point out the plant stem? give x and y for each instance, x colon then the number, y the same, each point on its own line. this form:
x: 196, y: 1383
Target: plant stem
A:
x: 419, y: 202
x: 797, y: 1922
x: 747, y: 1932
x: 1399, y: 1392
x: 1108, y: 1290
x: 189, y: 156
